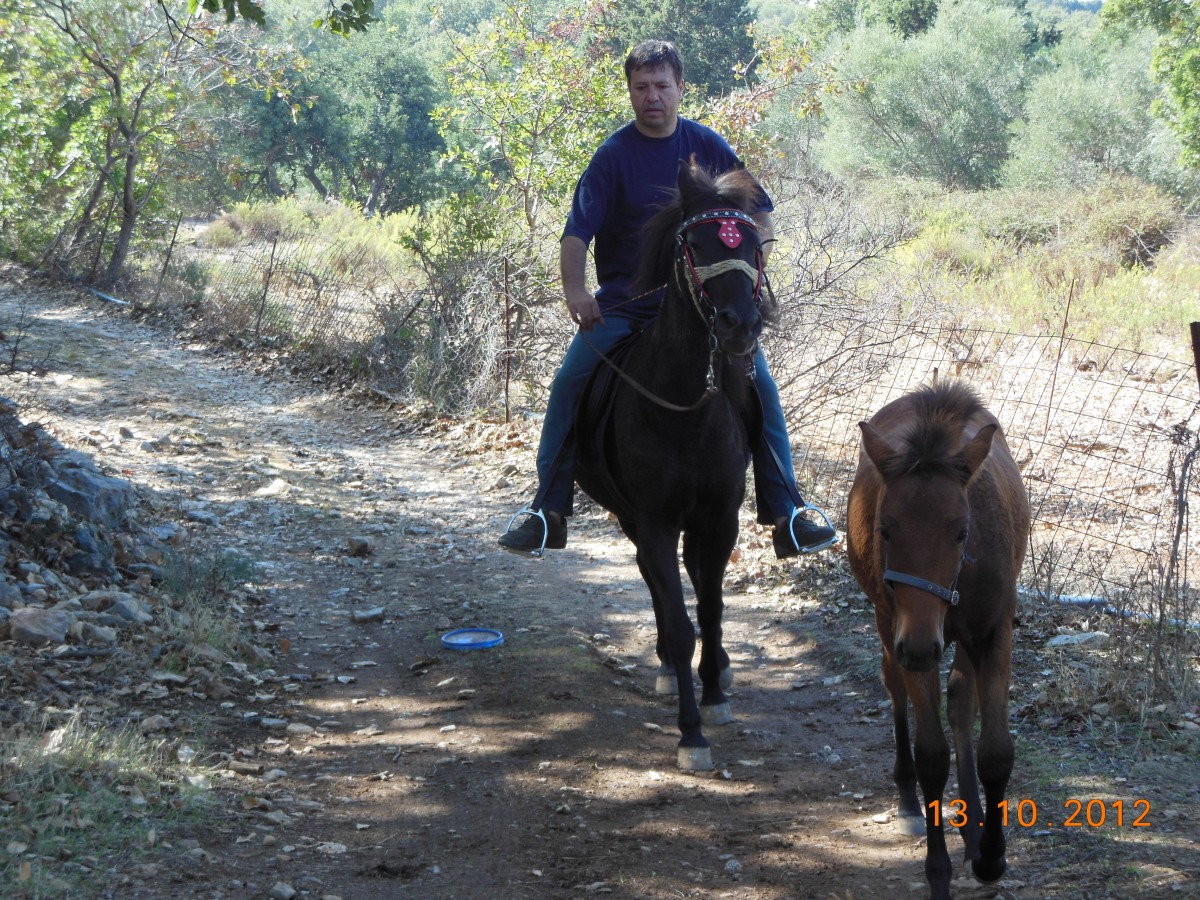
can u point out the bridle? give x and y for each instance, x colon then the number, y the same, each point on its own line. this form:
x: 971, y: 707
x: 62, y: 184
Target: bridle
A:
x: 731, y: 237
x: 891, y: 578
x: 695, y: 280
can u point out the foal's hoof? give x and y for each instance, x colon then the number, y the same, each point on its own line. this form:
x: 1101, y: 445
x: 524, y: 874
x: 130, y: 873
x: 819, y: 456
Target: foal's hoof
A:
x: 726, y: 681
x: 988, y: 871
x: 695, y: 759
x: 716, y: 714
x: 913, y: 826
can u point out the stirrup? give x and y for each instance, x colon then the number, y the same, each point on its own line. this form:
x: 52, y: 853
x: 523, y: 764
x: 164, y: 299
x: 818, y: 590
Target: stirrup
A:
x: 792, y: 534
x: 530, y: 511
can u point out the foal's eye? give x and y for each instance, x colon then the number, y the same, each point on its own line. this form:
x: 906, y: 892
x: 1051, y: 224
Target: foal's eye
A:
x: 886, y: 534
x: 962, y: 536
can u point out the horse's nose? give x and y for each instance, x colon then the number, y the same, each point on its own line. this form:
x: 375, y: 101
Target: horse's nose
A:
x: 919, y: 655
x: 732, y: 324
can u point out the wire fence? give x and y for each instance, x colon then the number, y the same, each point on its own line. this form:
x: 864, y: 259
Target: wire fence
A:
x: 1105, y: 437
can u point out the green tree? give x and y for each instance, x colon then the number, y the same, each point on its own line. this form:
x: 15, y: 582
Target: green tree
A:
x: 1090, y: 116
x: 342, y: 18
x: 1175, y: 61
x: 713, y: 38
x: 938, y: 105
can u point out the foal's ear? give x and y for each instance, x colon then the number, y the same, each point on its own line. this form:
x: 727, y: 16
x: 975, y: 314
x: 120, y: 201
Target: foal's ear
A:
x: 977, y: 449
x: 875, y: 444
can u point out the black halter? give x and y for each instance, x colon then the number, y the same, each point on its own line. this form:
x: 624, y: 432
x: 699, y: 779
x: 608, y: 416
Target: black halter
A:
x: 891, y: 578
x: 729, y: 234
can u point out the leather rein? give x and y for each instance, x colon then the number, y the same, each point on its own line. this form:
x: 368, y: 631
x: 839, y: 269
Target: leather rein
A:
x: 696, y: 278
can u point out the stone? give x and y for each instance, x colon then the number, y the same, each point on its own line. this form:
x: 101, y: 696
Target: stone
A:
x: 35, y: 627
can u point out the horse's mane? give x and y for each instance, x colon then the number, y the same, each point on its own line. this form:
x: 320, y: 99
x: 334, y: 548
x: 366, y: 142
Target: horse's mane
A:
x: 698, y: 190
x: 929, y: 447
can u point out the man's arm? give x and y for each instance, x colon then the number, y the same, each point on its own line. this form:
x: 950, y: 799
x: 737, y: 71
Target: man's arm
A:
x: 766, y: 232
x: 572, y: 262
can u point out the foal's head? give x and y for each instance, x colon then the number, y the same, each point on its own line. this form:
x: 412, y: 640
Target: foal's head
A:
x: 924, y: 517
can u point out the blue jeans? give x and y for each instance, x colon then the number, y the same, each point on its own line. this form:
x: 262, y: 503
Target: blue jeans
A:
x: 777, y: 492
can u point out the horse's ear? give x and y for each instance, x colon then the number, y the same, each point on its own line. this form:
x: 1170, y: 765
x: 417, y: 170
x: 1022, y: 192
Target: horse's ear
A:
x: 687, y: 172
x: 875, y: 444
x: 978, y: 448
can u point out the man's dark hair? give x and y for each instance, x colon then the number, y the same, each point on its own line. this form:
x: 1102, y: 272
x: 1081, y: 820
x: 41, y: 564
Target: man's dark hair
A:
x: 653, y: 55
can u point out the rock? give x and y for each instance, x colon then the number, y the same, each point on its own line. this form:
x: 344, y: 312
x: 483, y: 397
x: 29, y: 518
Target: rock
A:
x: 35, y: 627
x: 360, y: 546
x: 1083, y: 639
x: 155, y: 723
x: 282, y: 891
x: 367, y: 615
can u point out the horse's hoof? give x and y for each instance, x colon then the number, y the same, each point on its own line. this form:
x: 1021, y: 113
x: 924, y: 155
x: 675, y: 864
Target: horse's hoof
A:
x: 695, y: 759
x: 716, y: 714
x: 726, y: 681
x: 988, y: 871
x: 666, y: 684
x: 913, y: 826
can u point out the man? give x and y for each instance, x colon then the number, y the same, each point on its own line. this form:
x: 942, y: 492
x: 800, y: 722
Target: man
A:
x: 628, y: 178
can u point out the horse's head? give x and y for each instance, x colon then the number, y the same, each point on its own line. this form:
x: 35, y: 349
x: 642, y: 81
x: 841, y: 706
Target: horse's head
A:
x: 709, y: 247
x: 923, y: 522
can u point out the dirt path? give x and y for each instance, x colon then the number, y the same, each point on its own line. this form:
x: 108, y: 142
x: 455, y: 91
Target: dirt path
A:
x: 374, y: 763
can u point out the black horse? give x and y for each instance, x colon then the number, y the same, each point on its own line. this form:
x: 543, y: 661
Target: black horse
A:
x: 664, y: 434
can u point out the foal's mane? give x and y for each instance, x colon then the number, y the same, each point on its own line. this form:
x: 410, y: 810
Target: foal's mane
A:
x: 929, y: 446
x: 698, y: 191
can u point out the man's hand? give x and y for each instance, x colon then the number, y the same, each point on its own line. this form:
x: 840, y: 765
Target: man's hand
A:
x: 585, y: 311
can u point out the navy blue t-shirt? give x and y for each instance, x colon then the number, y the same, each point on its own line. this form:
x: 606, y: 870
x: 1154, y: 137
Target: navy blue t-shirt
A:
x: 628, y: 179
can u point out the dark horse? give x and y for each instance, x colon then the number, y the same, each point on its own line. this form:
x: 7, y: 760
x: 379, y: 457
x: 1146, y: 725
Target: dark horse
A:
x: 937, y: 526
x: 666, y: 446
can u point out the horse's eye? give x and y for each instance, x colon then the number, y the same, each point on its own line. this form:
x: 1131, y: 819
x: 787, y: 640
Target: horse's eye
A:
x: 886, y: 535
x: 962, y: 536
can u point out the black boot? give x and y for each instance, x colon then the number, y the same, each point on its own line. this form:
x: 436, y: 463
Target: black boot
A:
x: 802, y: 536
x: 533, y: 537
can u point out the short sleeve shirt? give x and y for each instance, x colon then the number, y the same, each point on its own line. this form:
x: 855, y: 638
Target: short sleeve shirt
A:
x: 629, y: 178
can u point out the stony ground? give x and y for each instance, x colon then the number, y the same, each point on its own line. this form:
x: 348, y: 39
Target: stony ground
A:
x: 359, y: 758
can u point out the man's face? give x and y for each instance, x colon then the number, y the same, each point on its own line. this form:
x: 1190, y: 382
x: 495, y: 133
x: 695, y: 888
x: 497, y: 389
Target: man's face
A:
x: 655, y: 95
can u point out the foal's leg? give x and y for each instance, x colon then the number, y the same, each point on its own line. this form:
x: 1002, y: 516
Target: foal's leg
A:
x: 657, y: 561
x: 933, y: 767
x: 996, y: 752
x: 910, y: 817
x: 705, y: 558
x: 961, y: 709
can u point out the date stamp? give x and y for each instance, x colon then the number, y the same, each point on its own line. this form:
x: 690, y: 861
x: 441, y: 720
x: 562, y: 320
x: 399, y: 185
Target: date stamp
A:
x: 1076, y: 813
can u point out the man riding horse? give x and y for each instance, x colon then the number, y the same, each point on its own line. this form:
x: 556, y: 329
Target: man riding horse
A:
x: 628, y: 178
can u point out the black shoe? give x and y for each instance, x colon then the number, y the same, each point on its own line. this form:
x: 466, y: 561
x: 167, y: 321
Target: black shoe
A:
x: 528, y: 538
x: 804, y: 537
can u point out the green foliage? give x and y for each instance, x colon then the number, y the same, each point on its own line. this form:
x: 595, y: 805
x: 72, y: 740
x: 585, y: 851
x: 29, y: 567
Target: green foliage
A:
x: 1090, y: 115
x: 1175, y: 62
x: 937, y: 105
x: 1021, y: 254
x: 352, y: 15
x: 531, y: 102
x: 713, y: 38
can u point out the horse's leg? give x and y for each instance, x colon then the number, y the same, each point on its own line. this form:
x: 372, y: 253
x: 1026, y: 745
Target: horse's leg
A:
x: 933, y: 767
x: 996, y: 752
x: 665, y: 681
x: 961, y: 709
x: 705, y: 558
x: 657, y: 562
x: 693, y: 552
x: 910, y: 818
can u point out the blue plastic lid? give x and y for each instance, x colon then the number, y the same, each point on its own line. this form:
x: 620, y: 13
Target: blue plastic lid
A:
x: 472, y: 638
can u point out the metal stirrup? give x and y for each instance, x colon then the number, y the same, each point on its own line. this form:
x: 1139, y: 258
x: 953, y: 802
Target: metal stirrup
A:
x: 530, y: 511
x: 792, y: 534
